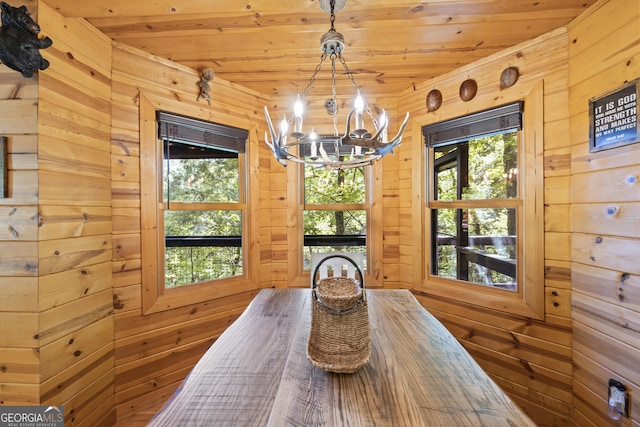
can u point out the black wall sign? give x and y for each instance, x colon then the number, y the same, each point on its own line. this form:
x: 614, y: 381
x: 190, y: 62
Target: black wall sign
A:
x: 614, y: 118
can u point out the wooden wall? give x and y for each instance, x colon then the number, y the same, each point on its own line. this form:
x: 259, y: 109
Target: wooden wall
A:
x: 71, y: 224
x: 74, y: 223
x: 74, y: 204
x: 530, y: 359
x: 57, y: 332
x: 154, y: 352
x: 19, y: 360
x: 604, y: 53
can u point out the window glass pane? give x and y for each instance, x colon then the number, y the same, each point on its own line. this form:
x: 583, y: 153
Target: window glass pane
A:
x: 322, y: 223
x: 203, y: 223
x: 486, y: 168
x: 334, y: 231
x: 446, y: 172
x: 202, y: 245
x: 476, y: 245
x: 308, y: 250
x: 198, y: 174
x: 323, y: 186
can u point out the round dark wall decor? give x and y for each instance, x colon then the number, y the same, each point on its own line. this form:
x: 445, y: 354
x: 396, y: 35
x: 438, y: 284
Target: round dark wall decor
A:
x: 434, y: 100
x: 468, y: 90
x: 509, y: 77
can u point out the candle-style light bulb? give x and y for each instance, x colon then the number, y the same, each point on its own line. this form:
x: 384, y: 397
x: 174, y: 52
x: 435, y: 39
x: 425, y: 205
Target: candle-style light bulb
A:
x: 314, y: 147
x: 359, y: 103
x: 359, y: 107
x: 297, y: 115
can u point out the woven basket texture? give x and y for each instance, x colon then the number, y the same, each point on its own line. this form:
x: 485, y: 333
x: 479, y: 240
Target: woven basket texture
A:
x: 339, y: 341
x: 339, y: 293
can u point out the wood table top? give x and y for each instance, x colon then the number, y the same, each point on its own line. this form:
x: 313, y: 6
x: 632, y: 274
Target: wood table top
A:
x: 257, y: 373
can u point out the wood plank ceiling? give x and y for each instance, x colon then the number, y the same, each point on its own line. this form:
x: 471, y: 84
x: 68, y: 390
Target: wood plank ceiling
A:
x: 273, y: 46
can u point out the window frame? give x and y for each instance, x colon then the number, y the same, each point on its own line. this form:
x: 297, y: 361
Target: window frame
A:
x: 333, y: 207
x: 528, y: 300
x: 155, y: 297
x: 298, y: 276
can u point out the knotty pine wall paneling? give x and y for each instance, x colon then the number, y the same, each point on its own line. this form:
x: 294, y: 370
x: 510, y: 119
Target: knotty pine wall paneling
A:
x: 154, y: 352
x: 604, y: 53
x: 529, y: 358
x: 57, y: 322
x: 19, y: 376
x: 76, y: 325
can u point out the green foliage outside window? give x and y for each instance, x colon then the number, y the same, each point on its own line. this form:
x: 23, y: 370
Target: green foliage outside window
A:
x: 204, y: 179
x: 334, y: 187
x: 491, y: 174
x: 201, y: 180
x: 322, y: 186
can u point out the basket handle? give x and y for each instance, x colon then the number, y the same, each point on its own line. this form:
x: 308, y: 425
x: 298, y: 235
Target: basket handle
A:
x: 314, y: 284
x: 352, y: 262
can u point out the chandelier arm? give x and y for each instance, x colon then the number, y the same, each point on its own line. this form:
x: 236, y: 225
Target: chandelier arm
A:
x: 334, y: 164
x: 279, y: 152
x: 347, y: 130
x: 347, y: 139
x: 375, y: 143
x: 384, y: 149
x: 344, y: 164
x: 403, y: 126
x: 270, y: 125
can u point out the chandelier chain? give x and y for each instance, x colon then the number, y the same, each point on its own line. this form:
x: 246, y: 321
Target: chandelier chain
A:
x: 349, y: 73
x: 332, y: 3
x: 334, y: 93
x: 355, y: 85
x: 313, y: 76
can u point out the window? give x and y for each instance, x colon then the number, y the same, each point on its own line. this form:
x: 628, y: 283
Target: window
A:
x: 484, y: 222
x: 335, y: 211
x: 475, y: 202
x: 202, y: 203
x: 194, y: 210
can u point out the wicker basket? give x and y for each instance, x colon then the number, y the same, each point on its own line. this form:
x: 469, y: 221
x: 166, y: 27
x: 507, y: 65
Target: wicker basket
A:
x: 339, y: 338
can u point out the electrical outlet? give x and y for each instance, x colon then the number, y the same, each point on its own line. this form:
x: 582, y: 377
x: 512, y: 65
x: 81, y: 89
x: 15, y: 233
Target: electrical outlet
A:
x: 618, y: 400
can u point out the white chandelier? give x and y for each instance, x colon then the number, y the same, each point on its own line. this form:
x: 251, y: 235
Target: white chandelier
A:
x: 357, y: 146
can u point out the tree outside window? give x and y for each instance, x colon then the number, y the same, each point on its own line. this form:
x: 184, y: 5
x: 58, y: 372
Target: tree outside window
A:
x: 202, y: 241
x: 335, y: 211
x: 202, y: 200
x: 476, y: 242
x: 474, y: 203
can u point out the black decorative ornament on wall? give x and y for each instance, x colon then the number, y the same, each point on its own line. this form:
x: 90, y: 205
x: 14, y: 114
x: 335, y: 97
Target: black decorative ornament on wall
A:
x: 19, y: 42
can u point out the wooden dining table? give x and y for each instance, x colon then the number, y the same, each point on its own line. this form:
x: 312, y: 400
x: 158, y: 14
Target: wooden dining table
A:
x: 257, y: 373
